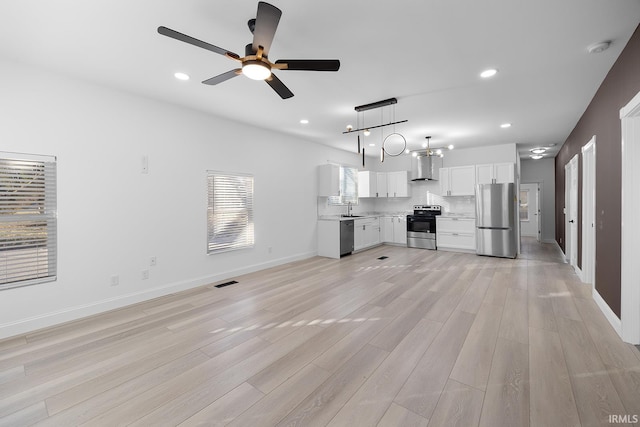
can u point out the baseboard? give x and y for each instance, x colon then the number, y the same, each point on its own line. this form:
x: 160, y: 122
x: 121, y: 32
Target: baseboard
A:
x: 578, y: 273
x: 614, y: 321
x: 24, y: 326
x: 551, y: 241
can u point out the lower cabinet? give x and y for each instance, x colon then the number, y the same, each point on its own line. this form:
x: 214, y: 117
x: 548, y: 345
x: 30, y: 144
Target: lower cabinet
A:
x: 394, y: 229
x: 366, y: 233
x: 456, y: 234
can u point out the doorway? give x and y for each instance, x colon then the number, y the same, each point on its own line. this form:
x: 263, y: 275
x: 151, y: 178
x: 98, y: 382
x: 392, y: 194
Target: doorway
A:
x: 530, y: 210
x: 571, y: 212
x: 630, y: 267
x: 589, y: 212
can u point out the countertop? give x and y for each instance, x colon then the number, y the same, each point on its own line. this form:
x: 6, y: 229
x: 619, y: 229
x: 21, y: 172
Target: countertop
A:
x: 458, y: 215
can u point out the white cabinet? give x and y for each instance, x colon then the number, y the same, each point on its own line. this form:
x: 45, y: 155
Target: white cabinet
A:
x: 366, y: 233
x: 383, y: 184
x: 458, y: 181
x: 456, y: 234
x: 495, y: 173
x: 398, y: 184
x: 367, y: 184
x: 328, y: 180
x: 394, y: 229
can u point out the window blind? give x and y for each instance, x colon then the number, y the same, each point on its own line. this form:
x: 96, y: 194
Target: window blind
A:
x: 28, y: 229
x: 230, y: 212
x: 348, y: 187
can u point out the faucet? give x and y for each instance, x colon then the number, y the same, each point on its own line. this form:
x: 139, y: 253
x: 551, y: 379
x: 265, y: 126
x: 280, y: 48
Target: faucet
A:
x: 349, y: 209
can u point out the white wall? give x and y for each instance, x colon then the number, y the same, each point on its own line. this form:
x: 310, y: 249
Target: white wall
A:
x: 543, y: 171
x: 112, y: 218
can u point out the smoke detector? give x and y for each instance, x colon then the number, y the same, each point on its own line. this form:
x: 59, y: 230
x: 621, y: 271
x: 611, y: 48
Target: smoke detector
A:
x: 599, y: 47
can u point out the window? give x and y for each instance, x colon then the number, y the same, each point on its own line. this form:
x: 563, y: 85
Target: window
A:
x: 229, y: 211
x: 348, y: 187
x: 27, y: 220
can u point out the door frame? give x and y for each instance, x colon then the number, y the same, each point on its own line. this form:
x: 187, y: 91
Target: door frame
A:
x: 589, y: 212
x: 630, y: 226
x: 570, y: 200
x: 538, y: 204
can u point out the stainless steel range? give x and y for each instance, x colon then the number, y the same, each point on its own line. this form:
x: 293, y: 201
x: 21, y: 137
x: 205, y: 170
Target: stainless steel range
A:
x: 421, y: 226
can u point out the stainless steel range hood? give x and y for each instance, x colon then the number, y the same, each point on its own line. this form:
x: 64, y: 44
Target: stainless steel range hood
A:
x: 425, y: 168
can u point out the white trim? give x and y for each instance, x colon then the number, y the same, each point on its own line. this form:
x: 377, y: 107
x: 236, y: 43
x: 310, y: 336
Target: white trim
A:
x: 630, y: 228
x: 24, y: 326
x: 589, y: 213
x: 608, y: 313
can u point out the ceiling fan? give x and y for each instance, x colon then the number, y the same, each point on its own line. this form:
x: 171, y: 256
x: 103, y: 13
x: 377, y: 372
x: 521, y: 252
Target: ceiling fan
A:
x: 255, y: 64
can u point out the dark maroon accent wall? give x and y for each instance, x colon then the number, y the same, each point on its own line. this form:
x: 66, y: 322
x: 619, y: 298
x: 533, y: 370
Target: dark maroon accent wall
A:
x: 602, y: 119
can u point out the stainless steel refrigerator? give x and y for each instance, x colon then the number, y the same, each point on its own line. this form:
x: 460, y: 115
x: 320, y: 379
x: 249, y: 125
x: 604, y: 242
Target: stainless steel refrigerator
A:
x: 496, y: 233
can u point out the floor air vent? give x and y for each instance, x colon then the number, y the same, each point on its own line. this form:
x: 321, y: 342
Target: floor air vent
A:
x: 222, y: 285
x: 383, y: 257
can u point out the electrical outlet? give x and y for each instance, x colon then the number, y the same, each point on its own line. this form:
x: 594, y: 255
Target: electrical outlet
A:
x: 115, y: 280
x: 144, y: 164
x: 153, y: 261
x: 145, y: 274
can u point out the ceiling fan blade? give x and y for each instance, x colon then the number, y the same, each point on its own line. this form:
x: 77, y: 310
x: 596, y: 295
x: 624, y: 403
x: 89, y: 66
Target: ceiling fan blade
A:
x: 199, y: 43
x: 267, y: 20
x: 310, y: 64
x: 279, y: 87
x: 223, y: 77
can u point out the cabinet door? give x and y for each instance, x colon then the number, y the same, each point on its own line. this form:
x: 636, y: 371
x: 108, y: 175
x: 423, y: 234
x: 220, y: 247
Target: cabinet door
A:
x: 504, y: 172
x: 484, y: 174
x: 444, y: 181
x: 462, y: 181
x: 359, y: 234
x: 400, y: 230
x: 398, y: 184
x: 367, y: 184
x: 381, y: 180
x: 328, y: 180
x: 386, y: 229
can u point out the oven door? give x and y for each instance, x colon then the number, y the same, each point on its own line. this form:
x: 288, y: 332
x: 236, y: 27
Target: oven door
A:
x: 421, y: 224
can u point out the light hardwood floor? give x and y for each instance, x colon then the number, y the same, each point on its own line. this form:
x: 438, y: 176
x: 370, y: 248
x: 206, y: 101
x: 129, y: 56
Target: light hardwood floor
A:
x: 422, y: 338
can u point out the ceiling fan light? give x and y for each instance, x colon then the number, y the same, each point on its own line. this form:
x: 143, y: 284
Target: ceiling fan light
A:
x: 256, y: 70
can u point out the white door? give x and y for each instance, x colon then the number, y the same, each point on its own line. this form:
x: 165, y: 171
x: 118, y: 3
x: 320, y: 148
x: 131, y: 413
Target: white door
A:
x: 530, y: 210
x: 571, y: 211
x: 589, y: 212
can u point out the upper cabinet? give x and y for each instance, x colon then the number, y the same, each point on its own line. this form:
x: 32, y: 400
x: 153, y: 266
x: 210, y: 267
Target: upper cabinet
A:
x: 495, y: 173
x: 328, y: 180
x: 458, y: 181
x: 367, y: 184
x: 383, y: 184
x: 398, y: 184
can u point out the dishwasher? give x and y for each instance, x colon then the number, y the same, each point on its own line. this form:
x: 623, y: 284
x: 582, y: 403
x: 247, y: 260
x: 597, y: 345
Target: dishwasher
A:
x: 346, y: 237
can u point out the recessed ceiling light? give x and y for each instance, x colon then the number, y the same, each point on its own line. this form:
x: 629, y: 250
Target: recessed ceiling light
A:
x: 181, y: 76
x: 372, y: 145
x: 505, y: 125
x: 537, y: 156
x: 450, y: 147
x: 304, y: 121
x: 538, y: 150
x: 488, y: 73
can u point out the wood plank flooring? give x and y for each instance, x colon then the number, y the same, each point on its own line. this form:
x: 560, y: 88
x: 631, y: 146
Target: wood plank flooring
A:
x: 422, y: 338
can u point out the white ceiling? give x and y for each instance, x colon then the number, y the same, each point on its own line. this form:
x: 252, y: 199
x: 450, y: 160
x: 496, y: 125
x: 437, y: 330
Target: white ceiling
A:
x: 427, y: 54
